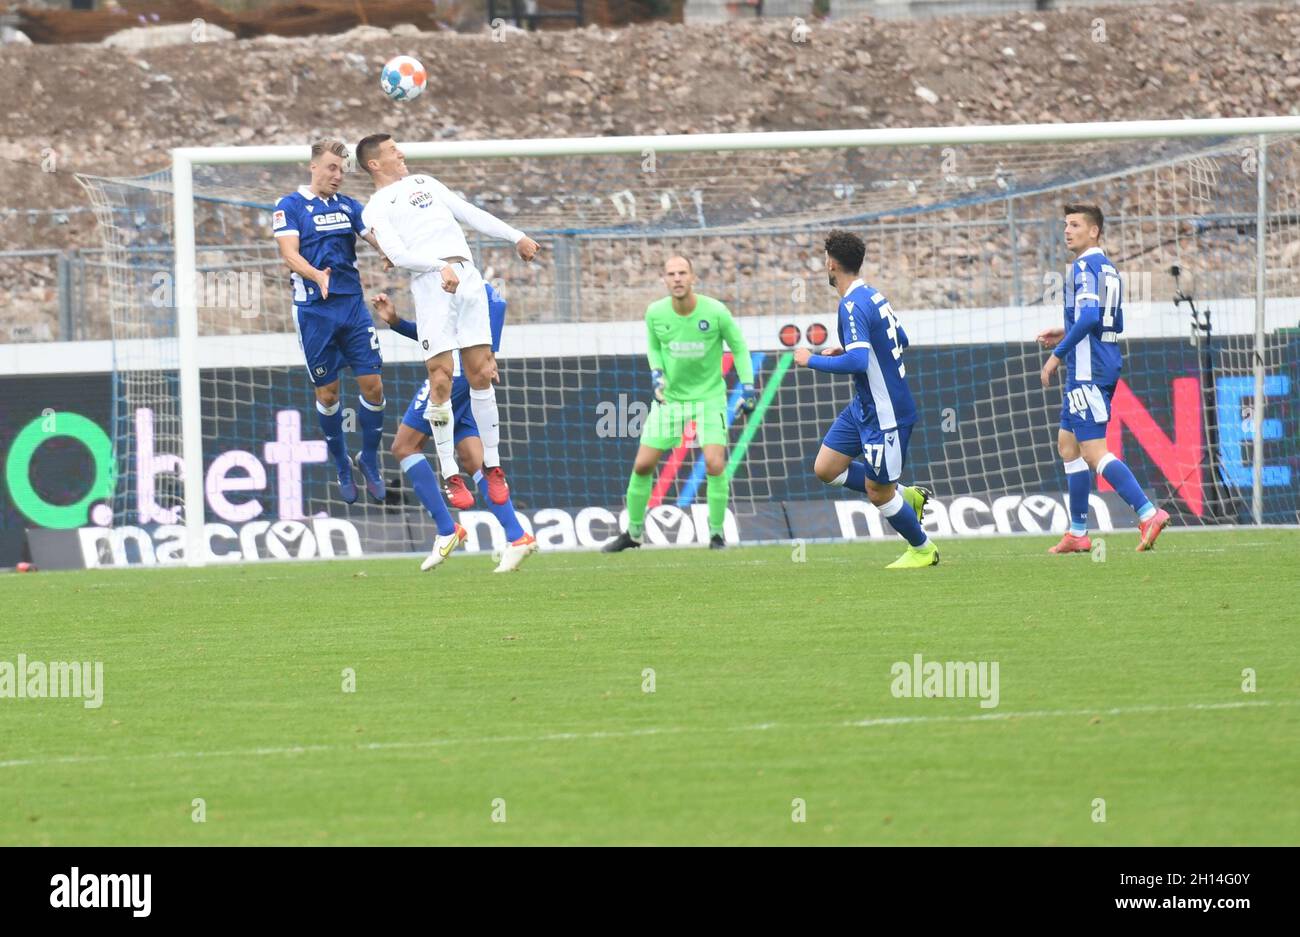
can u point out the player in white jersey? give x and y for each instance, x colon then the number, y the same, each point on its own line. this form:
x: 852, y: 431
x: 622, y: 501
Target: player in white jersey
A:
x: 417, y: 221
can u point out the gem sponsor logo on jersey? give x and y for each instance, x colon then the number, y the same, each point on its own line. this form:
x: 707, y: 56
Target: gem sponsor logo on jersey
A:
x: 331, y: 221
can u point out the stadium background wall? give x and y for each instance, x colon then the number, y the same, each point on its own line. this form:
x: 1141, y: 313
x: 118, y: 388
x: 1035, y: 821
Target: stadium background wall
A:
x: 568, y: 468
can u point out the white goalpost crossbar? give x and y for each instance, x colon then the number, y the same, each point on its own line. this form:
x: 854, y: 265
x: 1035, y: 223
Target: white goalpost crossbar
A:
x: 184, y: 160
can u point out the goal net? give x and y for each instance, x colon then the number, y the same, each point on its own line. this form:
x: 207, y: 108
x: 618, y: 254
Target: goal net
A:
x: 964, y: 238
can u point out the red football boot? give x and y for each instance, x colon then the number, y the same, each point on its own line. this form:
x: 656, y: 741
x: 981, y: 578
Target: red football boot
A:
x: 458, y: 496
x: 498, y: 491
x: 1150, y: 529
x: 1072, y: 544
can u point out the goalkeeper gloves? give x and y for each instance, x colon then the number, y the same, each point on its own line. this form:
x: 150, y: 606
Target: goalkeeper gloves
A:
x: 748, y: 398
x: 660, y: 384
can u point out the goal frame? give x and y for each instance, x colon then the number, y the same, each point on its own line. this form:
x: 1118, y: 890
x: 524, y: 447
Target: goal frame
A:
x: 184, y: 159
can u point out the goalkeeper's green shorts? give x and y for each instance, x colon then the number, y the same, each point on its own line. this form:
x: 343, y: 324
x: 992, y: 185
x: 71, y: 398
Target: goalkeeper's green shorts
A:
x: 667, y: 421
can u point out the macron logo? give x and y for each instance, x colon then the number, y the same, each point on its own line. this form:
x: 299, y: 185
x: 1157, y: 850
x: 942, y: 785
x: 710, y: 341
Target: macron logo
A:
x: 102, y: 891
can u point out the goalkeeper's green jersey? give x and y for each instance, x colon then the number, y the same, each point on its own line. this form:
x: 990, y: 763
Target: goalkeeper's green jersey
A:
x: 688, y: 349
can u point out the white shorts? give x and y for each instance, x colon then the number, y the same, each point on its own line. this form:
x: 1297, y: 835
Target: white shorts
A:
x: 446, y: 321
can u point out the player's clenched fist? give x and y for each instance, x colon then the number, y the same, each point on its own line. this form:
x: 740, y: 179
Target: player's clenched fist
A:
x: 527, y: 248
x: 660, y: 385
x: 801, y: 356
x: 449, y: 279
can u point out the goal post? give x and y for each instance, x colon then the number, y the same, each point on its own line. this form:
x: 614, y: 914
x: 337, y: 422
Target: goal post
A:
x: 803, y: 183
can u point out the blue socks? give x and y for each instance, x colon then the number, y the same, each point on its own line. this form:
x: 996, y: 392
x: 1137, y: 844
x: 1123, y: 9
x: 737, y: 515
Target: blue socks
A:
x: 903, y: 519
x: 854, y: 477
x: 370, y: 417
x: 1122, y: 480
x: 897, y: 511
x: 1080, y: 486
x: 505, y: 513
x: 425, y: 483
x: 331, y: 426
x: 420, y: 473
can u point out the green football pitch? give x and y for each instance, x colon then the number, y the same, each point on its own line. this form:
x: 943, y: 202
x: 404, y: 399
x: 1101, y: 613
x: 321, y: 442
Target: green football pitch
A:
x: 673, y: 696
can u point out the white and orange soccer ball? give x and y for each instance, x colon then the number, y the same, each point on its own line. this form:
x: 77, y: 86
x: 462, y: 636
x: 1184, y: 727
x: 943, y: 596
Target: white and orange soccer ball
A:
x: 403, y: 78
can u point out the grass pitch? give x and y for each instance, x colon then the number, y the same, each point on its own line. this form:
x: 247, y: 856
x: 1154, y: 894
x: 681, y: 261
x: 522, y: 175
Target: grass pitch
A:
x: 523, y: 697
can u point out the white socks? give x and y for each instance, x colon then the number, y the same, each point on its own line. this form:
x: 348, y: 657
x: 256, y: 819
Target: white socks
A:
x: 483, y: 404
x: 440, y: 418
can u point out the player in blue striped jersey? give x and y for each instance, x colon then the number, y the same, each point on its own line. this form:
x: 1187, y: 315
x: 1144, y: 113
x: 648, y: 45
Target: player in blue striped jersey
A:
x: 1088, y: 346
x: 877, y: 423
x: 316, y: 229
x: 414, y: 430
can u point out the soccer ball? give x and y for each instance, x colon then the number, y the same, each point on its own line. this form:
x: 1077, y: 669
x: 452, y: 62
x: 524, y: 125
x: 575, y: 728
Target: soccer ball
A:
x: 403, y: 78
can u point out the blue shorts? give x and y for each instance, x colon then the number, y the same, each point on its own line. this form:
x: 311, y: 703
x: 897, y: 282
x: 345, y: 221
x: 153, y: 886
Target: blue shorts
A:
x: 884, y: 452
x: 335, y: 332
x: 1085, y: 410
x: 461, y: 413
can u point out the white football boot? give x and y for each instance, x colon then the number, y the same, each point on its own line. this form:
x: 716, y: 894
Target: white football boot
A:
x: 516, y: 553
x: 442, y: 547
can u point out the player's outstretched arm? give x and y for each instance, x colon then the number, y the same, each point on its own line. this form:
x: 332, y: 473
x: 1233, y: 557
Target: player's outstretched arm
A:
x: 487, y: 223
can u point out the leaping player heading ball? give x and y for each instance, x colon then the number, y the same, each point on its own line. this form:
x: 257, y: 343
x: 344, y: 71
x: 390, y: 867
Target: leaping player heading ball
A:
x: 417, y: 220
x: 316, y: 229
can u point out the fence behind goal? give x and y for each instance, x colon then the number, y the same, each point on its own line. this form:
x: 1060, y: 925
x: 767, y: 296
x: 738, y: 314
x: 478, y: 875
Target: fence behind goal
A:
x: 964, y: 239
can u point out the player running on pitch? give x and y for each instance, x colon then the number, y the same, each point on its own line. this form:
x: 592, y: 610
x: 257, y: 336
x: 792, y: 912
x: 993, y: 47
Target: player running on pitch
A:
x: 877, y: 423
x: 316, y: 230
x: 408, y: 446
x: 416, y: 220
x: 1089, y: 346
x: 684, y: 334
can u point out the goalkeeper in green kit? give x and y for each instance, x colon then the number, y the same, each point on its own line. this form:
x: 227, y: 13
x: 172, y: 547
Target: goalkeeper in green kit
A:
x: 685, y: 332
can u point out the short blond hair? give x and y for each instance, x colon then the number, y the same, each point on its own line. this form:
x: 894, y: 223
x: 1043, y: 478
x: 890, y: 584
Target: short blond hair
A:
x: 321, y: 147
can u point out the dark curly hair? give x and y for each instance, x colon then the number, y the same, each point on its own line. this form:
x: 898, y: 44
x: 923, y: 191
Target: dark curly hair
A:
x: 847, y: 249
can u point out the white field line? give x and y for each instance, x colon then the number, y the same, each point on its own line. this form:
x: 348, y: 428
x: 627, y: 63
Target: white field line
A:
x: 638, y: 733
